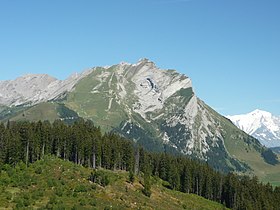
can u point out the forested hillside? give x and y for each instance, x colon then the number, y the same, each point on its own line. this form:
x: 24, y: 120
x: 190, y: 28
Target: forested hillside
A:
x: 52, y: 183
x: 84, y: 144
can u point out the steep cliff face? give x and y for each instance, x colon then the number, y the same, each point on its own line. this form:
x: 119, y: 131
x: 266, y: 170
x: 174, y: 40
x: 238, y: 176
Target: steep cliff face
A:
x: 155, y: 108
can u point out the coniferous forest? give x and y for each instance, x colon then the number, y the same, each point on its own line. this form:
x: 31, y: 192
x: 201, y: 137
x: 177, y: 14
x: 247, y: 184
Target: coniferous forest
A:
x: 84, y: 144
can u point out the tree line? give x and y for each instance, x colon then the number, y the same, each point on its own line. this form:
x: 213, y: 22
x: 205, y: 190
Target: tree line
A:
x: 84, y: 144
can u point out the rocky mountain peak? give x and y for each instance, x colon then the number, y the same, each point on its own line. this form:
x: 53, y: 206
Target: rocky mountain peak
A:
x: 151, y: 106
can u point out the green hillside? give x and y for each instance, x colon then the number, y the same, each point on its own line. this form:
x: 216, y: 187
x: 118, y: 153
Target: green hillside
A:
x: 95, y: 97
x: 49, y: 111
x: 52, y: 183
x: 248, y: 150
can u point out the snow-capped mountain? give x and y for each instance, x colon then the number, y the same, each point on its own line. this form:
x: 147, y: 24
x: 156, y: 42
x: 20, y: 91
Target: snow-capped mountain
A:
x: 260, y: 124
x: 155, y: 108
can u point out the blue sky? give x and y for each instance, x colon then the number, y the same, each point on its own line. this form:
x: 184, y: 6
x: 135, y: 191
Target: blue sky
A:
x: 230, y: 48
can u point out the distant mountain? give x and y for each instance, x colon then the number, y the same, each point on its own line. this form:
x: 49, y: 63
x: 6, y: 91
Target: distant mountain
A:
x: 260, y: 124
x: 153, y: 107
x: 35, y: 88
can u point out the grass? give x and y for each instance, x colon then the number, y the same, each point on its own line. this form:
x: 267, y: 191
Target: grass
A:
x: 45, y: 111
x: 247, y: 153
x: 41, y: 111
x: 56, y: 184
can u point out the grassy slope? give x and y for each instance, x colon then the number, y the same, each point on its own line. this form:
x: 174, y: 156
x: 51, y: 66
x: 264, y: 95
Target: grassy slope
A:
x: 56, y: 183
x: 244, y: 152
x: 91, y: 99
x: 44, y: 111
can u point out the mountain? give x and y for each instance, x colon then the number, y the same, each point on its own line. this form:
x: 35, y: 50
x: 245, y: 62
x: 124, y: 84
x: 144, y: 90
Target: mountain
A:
x: 153, y: 107
x: 260, y: 124
x: 35, y: 88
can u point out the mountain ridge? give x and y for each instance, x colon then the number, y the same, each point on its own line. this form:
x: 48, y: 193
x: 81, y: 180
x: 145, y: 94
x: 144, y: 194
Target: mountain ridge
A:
x: 35, y: 88
x: 155, y: 108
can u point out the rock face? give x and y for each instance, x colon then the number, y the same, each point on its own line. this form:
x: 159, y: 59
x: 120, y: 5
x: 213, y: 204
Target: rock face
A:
x: 260, y: 124
x: 155, y: 108
x: 35, y: 88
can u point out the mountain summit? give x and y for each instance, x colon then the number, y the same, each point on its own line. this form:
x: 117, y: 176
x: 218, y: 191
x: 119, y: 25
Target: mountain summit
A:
x: 155, y: 108
x: 260, y: 124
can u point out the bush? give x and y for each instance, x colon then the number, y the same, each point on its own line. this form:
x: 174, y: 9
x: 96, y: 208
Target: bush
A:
x: 38, y: 170
x: 147, y: 185
x: 131, y: 177
x: 81, y: 188
x: 9, y: 196
x: 53, y: 199
x: 105, y: 181
x: 4, y: 179
x: 23, y: 201
x: 19, y: 203
x: 36, y: 194
x: 83, y: 202
x: 147, y: 192
x: 74, y: 207
x: 93, y: 203
x: 60, y: 206
x: 59, y: 191
x: 51, y: 182
x: 100, y: 177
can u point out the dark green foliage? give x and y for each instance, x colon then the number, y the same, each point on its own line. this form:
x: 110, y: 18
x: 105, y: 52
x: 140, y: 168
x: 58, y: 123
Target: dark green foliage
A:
x: 131, y: 176
x: 38, y: 170
x: 99, y: 177
x: 68, y: 115
x: 218, y: 159
x: 82, y: 143
x: 133, y: 131
x: 81, y: 188
x: 270, y: 157
x: 147, y: 185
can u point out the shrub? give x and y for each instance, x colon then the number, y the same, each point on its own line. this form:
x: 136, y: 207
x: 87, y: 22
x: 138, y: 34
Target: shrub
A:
x: 100, y: 177
x: 51, y: 182
x: 81, y: 188
x: 38, y: 170
x: 147, y: 192
x: 83, y: 202
x: 105, y: 181
x: 53, y: 199
x: 93, y: 202
x: 131, y: 177
x: 59, y: 191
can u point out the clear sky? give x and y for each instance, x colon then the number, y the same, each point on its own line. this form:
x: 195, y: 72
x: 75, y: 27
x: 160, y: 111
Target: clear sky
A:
x: 230, y: 48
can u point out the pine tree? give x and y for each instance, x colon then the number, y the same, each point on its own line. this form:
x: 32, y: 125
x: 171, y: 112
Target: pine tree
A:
x: 147, y: 184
